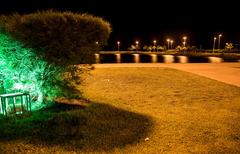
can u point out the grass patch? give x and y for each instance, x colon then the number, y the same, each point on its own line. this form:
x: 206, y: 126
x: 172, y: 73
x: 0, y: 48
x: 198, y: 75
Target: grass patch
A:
x: 144, y: 110
x: 190, y: 113
x: 67, y: 128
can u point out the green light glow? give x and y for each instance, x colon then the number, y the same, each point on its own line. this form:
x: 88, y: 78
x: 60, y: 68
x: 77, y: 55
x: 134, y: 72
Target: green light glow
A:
x: 22, y: 71
x: 42, y: 58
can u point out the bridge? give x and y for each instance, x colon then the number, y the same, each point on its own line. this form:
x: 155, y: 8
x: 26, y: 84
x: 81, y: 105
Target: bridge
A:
x: 171, y: 56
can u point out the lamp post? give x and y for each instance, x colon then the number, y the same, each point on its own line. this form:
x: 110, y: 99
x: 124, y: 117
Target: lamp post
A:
x: 168, y: 40
x: 184, y: 44
x: 137, y: 42
x: 171, y: 44
x: 154, y: 45
x: 214, y: 42
x: 97, y: 45
x: 219, y: 38
x: 118, y: 45
x: 184, y: 41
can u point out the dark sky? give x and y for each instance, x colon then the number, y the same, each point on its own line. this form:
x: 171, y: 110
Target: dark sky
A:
x: 146, y: 20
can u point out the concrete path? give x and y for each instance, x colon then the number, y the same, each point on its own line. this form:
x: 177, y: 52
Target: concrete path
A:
x: 224, y: 72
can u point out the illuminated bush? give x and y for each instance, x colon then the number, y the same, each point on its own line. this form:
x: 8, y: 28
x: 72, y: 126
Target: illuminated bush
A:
x: 60, y: 38
x: 20, y: 69
x: 39, y: 52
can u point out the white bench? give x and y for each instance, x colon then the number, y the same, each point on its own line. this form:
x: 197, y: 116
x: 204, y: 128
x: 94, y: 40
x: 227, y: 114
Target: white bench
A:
x: 6, y: 107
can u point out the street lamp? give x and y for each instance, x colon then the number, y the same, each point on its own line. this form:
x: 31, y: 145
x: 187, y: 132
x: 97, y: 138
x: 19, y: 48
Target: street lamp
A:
x: 168, y: 40
x: 171, y: 43
x: 184, y: 41
x: 214, y: 42
x: 118, y: 45
x: 154, y: 45
x: 219, y: 38
x: 137, y: 42
x: 184, y: 44
x: 97, y: 45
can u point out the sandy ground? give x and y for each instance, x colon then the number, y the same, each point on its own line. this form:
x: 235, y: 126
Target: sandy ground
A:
x: 225, y: 72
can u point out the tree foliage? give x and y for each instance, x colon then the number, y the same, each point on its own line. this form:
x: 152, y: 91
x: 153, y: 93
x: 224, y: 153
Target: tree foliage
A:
x: 229, y: 46
x: 62, y: 38
x: 39, y: 52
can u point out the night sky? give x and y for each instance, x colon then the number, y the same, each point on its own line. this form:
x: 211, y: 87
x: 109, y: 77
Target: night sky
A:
x: 145, y: 20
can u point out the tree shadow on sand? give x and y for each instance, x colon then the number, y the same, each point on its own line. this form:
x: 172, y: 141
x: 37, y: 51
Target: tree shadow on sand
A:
x: 98, y: 127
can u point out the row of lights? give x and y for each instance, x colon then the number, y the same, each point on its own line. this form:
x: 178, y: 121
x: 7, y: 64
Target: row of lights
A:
x: 169, y: 43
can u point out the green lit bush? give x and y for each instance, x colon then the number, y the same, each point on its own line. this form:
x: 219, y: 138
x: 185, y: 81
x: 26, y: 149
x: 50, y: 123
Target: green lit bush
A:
x: 60, y: 38
x: 39, y: 52
x: 20, y: 68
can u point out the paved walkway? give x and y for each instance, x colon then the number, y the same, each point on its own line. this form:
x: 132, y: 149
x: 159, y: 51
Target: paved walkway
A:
x: 224, y: 72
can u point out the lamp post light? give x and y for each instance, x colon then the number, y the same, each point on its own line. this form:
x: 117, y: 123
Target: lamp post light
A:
x: 184, y: 41
x: 97, y: 45
x: 171, y: 44
x: 214, y: 43
x: 118, y: 45
x: 137, y: 42
x: 219, y: 38
x: 154, y: 45
x: 168, y: 40
x: 184, y: 44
